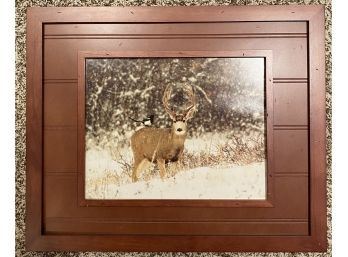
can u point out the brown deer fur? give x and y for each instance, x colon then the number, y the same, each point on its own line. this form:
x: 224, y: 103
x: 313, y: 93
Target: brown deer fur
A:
x: 161, y: 145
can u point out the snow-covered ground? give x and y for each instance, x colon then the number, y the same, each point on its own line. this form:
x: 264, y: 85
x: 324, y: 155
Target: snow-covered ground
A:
x: 235, y: 182
x: 231, y: 182
x: 108, y: 176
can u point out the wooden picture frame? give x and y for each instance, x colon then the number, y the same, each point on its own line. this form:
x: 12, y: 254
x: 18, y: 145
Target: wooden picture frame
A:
x: 179, y: 225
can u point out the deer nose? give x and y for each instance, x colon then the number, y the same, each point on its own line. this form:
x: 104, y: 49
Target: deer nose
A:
x: 179, y: 129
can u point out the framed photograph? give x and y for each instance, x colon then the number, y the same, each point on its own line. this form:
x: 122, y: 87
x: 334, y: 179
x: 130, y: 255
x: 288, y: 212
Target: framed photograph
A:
x: 175, y: 125
x: 176, y: 129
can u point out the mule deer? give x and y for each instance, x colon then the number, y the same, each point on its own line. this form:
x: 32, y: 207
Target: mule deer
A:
x: 162, y: 145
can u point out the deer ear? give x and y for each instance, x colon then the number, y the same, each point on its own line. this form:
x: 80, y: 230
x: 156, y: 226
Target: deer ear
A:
x: 172, y: 116
x: 189, y: 114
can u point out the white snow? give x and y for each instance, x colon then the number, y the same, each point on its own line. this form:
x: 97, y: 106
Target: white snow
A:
x: 233, y: 182
x: 106, y: 177
x: 99, y: 163
x: 207, y: 142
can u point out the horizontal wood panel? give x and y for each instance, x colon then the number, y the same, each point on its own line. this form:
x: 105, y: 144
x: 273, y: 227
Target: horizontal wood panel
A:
x: 289, y: 54
x: 290, y: 103
x: 160, y: 243
x: 90, y: 226
x: 175, y: 14
x: 60, y: 150
x: 290, y: 80
x: 176, y: 28
x: 291, y: 151
x: 60, y: 104
x: 290, y: 201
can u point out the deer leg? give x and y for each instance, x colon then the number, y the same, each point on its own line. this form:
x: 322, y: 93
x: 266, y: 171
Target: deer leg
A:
x: 171, y: 169
x: 162, y: 167
x: 177, y: 165
x: 142, y: 165
x: 137, y: 162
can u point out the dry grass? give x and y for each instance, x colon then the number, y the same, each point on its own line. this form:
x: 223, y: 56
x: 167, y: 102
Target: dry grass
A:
x: 234, y: 151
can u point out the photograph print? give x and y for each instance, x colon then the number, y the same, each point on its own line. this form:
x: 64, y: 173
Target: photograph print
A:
x: 175, y: 128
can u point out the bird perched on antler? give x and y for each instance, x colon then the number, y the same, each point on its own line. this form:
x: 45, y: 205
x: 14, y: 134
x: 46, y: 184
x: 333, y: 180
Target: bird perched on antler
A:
x: 147, y: 122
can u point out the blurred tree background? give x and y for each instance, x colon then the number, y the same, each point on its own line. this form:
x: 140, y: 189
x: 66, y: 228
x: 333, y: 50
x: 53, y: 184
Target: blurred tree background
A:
x: 230, y: 93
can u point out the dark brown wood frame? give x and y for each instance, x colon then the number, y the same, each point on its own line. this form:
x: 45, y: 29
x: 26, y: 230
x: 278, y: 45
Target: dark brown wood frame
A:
x: 37, y: 240
x: 265, y: 54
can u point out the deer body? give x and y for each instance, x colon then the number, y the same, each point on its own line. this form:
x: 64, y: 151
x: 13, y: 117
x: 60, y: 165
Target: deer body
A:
x: 161, y: 145
x: 157, y: 143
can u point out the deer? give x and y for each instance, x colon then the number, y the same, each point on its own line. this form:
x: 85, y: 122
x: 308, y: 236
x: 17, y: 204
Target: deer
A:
x: 162, y: 145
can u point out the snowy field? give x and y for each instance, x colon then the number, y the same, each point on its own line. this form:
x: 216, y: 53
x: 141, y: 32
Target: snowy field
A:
x: 107, y: 179
x: 235, y: 182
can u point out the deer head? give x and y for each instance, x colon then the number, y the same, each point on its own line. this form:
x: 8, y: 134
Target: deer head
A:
x: 179, y: 119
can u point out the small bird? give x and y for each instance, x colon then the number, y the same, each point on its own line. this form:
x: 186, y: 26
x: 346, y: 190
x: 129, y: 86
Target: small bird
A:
x: 148, y: 121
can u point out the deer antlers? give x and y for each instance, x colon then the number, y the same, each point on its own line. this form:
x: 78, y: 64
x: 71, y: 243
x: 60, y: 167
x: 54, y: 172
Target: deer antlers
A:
x: 188, y: 112
x: 165, y: 100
